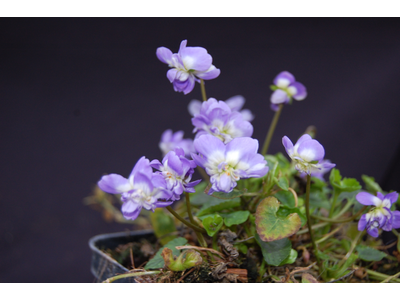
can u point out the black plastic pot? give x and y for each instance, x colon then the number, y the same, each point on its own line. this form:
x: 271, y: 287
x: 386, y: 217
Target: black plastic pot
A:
x: 103, y: 266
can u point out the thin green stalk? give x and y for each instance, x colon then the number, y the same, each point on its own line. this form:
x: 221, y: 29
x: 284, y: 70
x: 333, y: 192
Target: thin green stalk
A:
x: 111, y: 279
x: 315, y: 226
x: 352, y: 247
x: 349, y: 219
x: 199, y: 235
x: 334, y: 200
x: 176, y: 215
x: 381, y: 276
x: 309, y: 220
x: 271, y: 130
x: 203, y: 90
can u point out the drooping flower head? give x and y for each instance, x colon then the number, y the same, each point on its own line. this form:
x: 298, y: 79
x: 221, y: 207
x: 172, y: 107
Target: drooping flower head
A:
x: 142, y: 189
x: 307, y: 154
x: 226, y: 164
x: 285, y: 88
x: 235, y: 103
x: 190, y: 64
x: 170, y: 141
x: 217, y: 118
x: 177, y: 171
x: 379, y: 216
x: 324, y: 166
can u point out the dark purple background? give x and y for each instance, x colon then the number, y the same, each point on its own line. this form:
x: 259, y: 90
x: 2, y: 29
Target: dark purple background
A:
x: 83, y: 97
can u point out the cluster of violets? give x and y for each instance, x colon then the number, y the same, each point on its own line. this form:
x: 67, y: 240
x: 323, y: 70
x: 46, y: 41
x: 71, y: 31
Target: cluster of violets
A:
x: 224, y: 148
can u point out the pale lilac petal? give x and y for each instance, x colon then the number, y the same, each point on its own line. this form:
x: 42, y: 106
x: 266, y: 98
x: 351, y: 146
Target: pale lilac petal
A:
x: 367, y: 199
x: 143, y: 166
x: 236, y: 102
x: 194, y: 107
x: 163, y: 203
x: 396, y: 219
x: 190, y: 85
x: 211, y: 73
x: 362, y: 223
x: 283, y: 79
x: 247, y: 115
x: 182, y: 46
x: 172, y: 74
x: 311, y: 150
x: 279, y: 97
x: 174, y: 163
x: 303, y: 138
x: 131, y: 210
x: 208, y: 145
x: 274, y: 107
x: 287, y: 143
x: 373, y: 232
x: 199, y: 160
x: 114, y: 184
x: 165, y: 55
x: 301, y: 92
x: 241, y: 149
x: 393, y: 196
x: 195, y: 58
x: 167, y: 135
x: 225, y: 183
x: 143, y: 183
x: 156, y: 164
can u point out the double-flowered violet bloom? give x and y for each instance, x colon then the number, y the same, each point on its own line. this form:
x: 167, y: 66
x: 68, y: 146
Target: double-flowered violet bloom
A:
x: 307, y: 154
x: 235, y: 103
x: 216, y: 118
x: 170, y: 141
x: 177, y: 171
x: 285, y: 88
x: 228, y: 163
x: 380, y: 216
x: 189, y: 65
x: 142, y: 189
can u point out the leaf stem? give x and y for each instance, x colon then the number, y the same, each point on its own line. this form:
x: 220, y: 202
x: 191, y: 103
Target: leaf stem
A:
x: 271, y: 130
x: 381, y: 276
x: 309, y: 220
x: 349, y: 219
x: 111, y: 279
x: 199, y: 235
x: 203, y: 90
x: 176, y: 215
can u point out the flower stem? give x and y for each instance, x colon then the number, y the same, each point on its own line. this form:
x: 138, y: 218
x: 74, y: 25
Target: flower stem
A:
x: 309, y: 220
x: 199, y: 235
x: 176, y: 215
x: 335, y: 197
x: 203, y: 90
x: 111, y: 279
x: 271, y: 130
x: 349, y: 219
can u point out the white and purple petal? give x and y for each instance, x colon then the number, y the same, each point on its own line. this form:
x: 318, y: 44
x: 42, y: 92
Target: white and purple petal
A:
x: 114, y: 184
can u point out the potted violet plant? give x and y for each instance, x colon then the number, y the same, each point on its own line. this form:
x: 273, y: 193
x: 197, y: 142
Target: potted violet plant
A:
x: 253, y: 217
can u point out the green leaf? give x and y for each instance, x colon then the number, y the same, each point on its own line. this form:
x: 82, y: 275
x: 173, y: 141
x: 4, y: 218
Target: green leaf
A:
x: 283, y: 183
x: 398, y: 244
x: 275, y: 252
x: 200, y: 198
x: 187, y: 259
x: 285, y: 211
x: 371, y: 185
x: 369, y: 254
x: 271, y: 227
x: 157, y: 261
x: 345, y: 184
x: 290, y: 259
x: 212, y: 224
x: 286, y: 198
x: 216, y: 205
x: 236, y: 217
x: 162, y: 224
x: 232, y: 195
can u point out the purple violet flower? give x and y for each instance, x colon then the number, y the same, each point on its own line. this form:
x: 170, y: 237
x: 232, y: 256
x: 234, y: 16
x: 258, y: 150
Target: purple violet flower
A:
x: 380, y: 216
x: 285, y: 88
x: 324, y: 166
x: 226, y: 164
x: 142, y: 189
x: 190, y: 64
x: 307, y: 154
x: 235, y: 103
x: 170, y: 141
x: 177, y: 171
x: 217, y: 118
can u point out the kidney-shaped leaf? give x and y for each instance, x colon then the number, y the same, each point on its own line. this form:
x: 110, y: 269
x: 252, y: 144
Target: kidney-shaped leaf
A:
x: 271, y: 227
